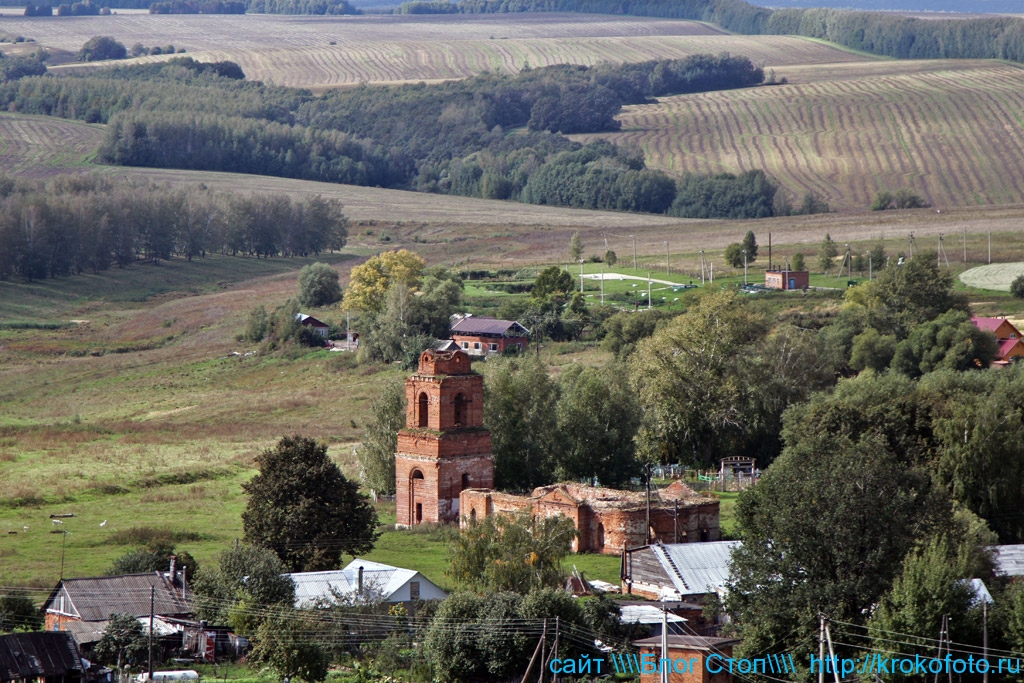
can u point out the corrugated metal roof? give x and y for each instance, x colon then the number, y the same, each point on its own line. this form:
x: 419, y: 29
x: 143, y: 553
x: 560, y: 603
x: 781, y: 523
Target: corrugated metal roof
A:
x: 484, y: 325
x: 380, y: 580
x: 96, y: 598
x: 646, y: 614
x: 698, y: 567
x: 38, y: 655
x: 1009, y: 559
x: 989, y: 324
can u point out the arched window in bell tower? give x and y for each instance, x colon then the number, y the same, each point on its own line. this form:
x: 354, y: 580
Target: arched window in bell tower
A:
x: 461, y: 410
x: 422, y: 410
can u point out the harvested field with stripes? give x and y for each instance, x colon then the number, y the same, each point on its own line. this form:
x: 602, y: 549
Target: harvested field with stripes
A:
x: 950, y: 130
x: 297, y: 51
x: 37, y: 146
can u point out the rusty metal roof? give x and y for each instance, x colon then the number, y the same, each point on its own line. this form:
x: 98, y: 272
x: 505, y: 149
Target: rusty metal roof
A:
x: 96, y: 598
x: 43, y: 654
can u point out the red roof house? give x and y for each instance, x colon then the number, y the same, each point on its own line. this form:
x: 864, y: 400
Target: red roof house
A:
x: 481, y: 336
x: 1010, y: 344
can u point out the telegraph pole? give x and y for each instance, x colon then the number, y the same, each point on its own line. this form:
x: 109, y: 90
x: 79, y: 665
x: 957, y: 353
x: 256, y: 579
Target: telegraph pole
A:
x: 633, y: 237
x: 152, y: 605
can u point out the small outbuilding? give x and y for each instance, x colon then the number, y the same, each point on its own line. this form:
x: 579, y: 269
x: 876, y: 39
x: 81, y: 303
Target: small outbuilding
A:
x: 686, y: 659
x: 787, y: 279
x: 41, y: 657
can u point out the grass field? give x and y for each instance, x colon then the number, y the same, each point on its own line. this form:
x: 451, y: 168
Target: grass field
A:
x: 35, y: 146
x: 951, y: 131
x: 298, y: 51
x: 997, y: 276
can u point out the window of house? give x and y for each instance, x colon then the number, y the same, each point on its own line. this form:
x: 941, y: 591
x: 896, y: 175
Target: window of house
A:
x: 414, y: 590
x: 493, y: 347
x: 465, y: 345
x: 476, y: 345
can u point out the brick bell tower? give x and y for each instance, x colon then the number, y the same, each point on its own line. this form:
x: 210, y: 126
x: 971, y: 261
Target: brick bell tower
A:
x: 444, y: 447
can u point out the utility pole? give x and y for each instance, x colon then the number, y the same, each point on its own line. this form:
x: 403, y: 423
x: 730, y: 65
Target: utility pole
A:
x: 152, y: 605
x: 744, y: 266
x: 633, y: 237
x: 984, y: 637
x: 602, y: 285
x: 581, y: 276
x: 821, y: 649
x: 647, y: 534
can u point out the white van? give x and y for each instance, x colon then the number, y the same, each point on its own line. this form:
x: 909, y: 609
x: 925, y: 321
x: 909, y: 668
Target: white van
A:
x: 167, y: 676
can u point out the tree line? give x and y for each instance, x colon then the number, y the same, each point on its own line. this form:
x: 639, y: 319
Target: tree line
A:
x: 452, y: 138
x: 76, y: 224
x: 880, y: 33
x: 87, y: 7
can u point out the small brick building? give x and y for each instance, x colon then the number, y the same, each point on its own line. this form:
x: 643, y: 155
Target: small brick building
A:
x: 787, y: 279
x: 687, y: 659
x: 609, y: 521
x: 444, y: 448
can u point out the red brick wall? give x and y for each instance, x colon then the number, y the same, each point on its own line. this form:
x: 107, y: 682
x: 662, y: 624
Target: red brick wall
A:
x: 622, y: 527
x: 444, y: 363
x: 503, y: 343
x: 55, y: 622
x: 439, y: 490
x: 695, y: 671
x: 441, y: 395
x: 424, y: 444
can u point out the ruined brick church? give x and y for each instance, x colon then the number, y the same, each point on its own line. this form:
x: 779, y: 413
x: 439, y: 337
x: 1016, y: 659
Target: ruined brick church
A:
x: 444, y: 472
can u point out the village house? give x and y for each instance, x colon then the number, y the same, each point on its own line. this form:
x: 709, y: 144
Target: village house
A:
x: 481, y: 336
x: 679, y: 571
x: 1010, y: 344
x: 41, y: 657
x: 364, y: 580
x: 83, y: 606
x: 317, y: 326
x: 608, y: 520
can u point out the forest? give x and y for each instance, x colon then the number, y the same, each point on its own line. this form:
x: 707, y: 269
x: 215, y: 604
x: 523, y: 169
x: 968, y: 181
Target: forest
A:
x: 495, y: 136
x: 881, y: 33
x: 75, y: 224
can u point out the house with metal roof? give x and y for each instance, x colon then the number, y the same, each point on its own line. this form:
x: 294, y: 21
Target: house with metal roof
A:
x: 480, y: 336
x: 1008, y: 559
x: 41, y: 657
x: 363, y: 580
x: 318, y: 326
x: 83, y: 606
x: 1007, y: 335
x: 677, y: 571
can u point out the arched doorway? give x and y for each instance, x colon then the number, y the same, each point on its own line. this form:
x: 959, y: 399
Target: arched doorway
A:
x: 460, y: 410
x: 422, y: 412
x: 465, y: 482
x: 416, y: 491
x: 600, y: 537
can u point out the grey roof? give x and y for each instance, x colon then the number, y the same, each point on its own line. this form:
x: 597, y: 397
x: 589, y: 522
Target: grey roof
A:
x: 379, y: 581
x: 696, y: 567
x: 95, y: 599
x: 1009, y: 559
x: 38, y: 655
x: 483, y: 325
